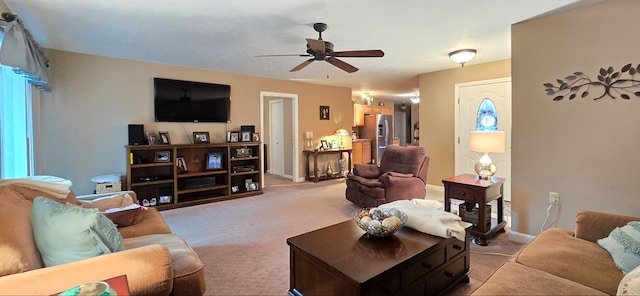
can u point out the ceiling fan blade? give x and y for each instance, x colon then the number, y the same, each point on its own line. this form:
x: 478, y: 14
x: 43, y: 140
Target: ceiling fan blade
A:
x: 302, y: 65
x: 342, y: 65
x: 283, y: 55
x: 316, y: 45
x: 374, y: 53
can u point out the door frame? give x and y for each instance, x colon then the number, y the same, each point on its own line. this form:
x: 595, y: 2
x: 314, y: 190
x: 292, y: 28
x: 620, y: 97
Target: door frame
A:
x: 458, y: 169
x: 294, y: 118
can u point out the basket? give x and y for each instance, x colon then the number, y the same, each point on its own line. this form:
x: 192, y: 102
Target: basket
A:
x: 469, y: 213
x: 108, y: 187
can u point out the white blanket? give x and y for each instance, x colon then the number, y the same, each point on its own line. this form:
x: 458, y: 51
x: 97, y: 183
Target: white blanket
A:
x: 55, y: 186
x: 430, y: 218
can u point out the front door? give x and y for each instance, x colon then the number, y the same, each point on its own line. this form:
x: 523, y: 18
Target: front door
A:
x: 481, y: 105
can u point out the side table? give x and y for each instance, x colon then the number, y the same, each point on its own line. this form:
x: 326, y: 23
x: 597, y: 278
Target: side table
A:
x: 470, y: 188
x: 314, y: 175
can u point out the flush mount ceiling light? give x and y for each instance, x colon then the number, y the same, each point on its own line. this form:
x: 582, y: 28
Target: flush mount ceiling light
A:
x: 462, y: 56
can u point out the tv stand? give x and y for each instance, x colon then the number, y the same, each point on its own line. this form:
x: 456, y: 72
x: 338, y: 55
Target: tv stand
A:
x: 151, y: 176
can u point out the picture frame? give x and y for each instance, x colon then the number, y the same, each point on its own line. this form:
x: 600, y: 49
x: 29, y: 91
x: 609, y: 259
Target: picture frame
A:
x: 324, y: 145
x: 214, y: 161
x: 324, y: 112
x: 245, y: 136
x: 253, y: 186
x: 152, y: 137
x: 247, y: 183
x: 164, y: 137
x: 181, y: 163
x: 334, y: 145
x: 162, y: 156
x: 256, y: 137
x: 235, y: 189
x: 234, y: 136
x: 201, y: 138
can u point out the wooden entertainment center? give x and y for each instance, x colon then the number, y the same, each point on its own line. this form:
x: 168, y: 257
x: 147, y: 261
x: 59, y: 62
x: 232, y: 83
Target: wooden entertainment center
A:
x: 155, y: 173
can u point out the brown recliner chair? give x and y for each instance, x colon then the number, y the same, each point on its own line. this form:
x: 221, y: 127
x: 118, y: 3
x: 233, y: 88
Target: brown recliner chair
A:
x: 402, y: 174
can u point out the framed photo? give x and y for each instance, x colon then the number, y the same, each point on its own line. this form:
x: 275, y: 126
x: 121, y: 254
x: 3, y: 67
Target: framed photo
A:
x: 181, y: 164
x: 163, y: 156
x: 235, y: 189
x: 201, y: 137
x: 324, y: 145
x: 334, y: 145
x: 253, y: 186
x: 234, y: 136
x: 214, y: 161
x: 152, y: 137
x: 245, y: 136
x: 247, y: 183
x: 164, y: 137
x: 256, y: 137
x: 324, y: 112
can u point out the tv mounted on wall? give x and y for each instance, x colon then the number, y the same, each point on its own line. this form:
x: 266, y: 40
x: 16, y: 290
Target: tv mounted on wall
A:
x: 188, y: 101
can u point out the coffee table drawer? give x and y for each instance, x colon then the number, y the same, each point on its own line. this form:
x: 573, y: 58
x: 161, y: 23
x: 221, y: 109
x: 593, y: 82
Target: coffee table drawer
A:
x: 455, y: 248
x: 425, y: 265
x: 446, y: 276
x: 389, y: 286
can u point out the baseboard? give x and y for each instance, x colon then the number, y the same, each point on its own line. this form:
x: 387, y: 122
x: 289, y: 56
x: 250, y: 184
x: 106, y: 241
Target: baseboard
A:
x: 435, y: 188
x: 521, y: 238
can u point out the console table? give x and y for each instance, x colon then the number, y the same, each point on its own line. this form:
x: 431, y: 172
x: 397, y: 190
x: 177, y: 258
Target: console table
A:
x: 342, y: 260
x: 315, y: 154
x: 470, y: 188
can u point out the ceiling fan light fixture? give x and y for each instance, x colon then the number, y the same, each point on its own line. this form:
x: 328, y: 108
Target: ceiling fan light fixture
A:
x: 462, y: 56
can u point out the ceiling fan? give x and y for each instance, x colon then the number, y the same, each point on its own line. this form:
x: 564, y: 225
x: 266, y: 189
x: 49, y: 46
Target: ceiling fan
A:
x: 320, y: 50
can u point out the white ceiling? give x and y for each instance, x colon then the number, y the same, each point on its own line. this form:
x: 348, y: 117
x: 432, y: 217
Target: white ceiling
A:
x: 416, y: 35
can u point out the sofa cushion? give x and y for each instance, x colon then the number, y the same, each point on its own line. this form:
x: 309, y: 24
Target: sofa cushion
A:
x: 18, y: 250
x: 558, y: 252
x: 188, y: 270
x: 125, y: 216
x: 151, y: 223
x: 108, y: 202
x: 516, y: 279
x: 70, y: 233
x: 630, y: 283
x: 623, y: 243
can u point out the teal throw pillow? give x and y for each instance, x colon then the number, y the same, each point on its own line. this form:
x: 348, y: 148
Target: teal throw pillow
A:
x: 70, y: 233
x: 623, y: 243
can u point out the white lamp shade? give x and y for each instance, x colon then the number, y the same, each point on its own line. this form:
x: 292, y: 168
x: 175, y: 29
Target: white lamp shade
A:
x: 487, y: 142
x: 308, y: 135
x: 462, y: 56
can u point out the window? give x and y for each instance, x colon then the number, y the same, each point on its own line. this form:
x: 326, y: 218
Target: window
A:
x: 487, y: 116
x: 16, y: 127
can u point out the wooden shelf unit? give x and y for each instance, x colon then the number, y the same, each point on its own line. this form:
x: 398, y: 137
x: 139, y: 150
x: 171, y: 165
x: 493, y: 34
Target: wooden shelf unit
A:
x: 151, y: 176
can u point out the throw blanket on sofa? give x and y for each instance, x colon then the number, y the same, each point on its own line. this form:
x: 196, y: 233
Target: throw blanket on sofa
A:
x: 56, y: 186
x: 430, y: 218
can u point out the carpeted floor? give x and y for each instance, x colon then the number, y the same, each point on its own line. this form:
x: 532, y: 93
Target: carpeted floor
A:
x: 242, y: 242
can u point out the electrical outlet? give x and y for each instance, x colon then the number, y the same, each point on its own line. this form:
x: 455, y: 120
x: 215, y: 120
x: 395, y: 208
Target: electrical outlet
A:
x: 554, y: 198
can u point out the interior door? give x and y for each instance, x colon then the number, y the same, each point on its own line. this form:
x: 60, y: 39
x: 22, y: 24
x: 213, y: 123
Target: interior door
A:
x: 276, y: 128
x: 496, y: 93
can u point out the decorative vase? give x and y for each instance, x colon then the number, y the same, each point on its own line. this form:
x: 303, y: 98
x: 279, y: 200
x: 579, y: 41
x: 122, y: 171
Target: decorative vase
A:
x: 329, y: 169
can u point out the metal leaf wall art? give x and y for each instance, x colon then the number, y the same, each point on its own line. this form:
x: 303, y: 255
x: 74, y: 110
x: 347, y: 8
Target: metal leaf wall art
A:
x: 615, y: 84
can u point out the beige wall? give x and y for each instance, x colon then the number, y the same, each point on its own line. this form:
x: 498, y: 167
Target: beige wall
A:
x: 437, y: 110
x: 585, y: 150
x: 84, y: 119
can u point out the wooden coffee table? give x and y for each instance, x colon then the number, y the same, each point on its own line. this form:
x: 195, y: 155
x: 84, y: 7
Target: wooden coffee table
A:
x: 342, y: 260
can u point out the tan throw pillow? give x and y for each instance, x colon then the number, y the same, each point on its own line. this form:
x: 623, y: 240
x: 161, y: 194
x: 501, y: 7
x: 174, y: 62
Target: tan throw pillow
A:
x: 108, y: 202
x: 125, y: 216
x: 18, y: 251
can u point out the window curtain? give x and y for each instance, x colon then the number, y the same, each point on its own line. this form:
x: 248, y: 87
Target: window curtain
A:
x: 21, y: 52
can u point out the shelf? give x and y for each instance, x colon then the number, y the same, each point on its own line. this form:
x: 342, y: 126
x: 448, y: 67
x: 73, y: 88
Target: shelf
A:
x: 141, y: 165
x: 201, y: 189
x: 155, y: 182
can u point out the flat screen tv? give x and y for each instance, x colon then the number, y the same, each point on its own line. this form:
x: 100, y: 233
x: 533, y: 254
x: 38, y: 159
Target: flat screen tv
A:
x: 188, y: 101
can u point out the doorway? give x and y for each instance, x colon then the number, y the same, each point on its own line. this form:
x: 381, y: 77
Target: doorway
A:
x: 279, y: 127
x: 472, y: 100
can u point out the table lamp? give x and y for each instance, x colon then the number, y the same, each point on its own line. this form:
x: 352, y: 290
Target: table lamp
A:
x: 342, y: 133
x: 486, y: 142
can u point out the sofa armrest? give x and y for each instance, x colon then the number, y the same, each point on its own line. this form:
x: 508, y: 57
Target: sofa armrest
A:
x: 367, y: 171
x: 98, y: 195
x: 593, y: 225
x: 148, y: 270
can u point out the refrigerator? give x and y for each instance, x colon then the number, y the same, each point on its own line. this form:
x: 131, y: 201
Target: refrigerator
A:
x: 378, y: 128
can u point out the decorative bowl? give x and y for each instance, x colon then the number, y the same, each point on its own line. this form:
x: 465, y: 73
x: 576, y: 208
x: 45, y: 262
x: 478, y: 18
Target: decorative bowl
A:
x: 379, y: 222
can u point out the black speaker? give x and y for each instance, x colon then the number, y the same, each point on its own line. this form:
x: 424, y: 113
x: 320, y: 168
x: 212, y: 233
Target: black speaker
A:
x: 248, y: 128
x: 136, y: 134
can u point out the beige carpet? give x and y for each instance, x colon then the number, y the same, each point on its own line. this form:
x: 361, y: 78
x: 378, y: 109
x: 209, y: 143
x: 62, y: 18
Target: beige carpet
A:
x: 242, y: 242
